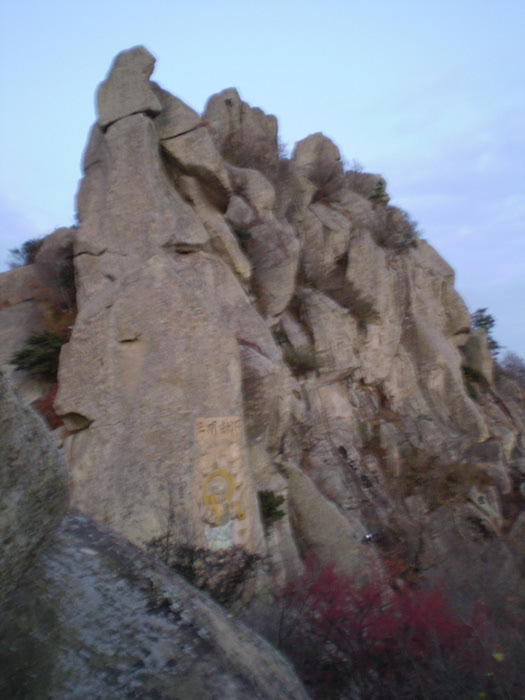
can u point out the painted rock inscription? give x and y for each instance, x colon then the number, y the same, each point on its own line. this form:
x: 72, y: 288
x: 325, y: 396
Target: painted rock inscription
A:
x: 221, y: 494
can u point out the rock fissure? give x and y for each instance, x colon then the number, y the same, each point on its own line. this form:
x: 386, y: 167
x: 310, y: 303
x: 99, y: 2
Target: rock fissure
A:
x: 180, y: 133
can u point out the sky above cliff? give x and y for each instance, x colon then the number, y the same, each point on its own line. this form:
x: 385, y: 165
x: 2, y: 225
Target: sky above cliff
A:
x: 429, y: 94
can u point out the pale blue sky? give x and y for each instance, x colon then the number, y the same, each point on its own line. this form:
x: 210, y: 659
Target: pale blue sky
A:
x: 431, y: 94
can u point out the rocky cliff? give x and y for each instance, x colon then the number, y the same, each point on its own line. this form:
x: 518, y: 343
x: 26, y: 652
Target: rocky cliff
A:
x: 251, y: 324
x: 87, y: 615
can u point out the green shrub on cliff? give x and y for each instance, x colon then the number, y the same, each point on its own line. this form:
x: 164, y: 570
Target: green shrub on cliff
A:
x: 25, y: 255
x: 270, y: 504
x: 39, y: 356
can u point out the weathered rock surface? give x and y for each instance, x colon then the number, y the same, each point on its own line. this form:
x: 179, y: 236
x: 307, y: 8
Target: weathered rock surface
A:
x: 273, y: 251
x: 247, y: 322
x: 128, y: 207
x: 17, y: 286
x: 195, y: 154
x: 176, y: 118
x: 138, y: 482
x: 127, y: 89
x: 245, y: 135
x: 477, y: 355
x: 19, y: 316
x: 324, y: 531
x: 98, y: 618
x: 55, y: 247
x: 318, y: 159
x: 34, y: 487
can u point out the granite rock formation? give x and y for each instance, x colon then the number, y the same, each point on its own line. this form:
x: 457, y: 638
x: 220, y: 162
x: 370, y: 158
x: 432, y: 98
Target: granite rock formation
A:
x: 87, y: 615
x: 248, y: 322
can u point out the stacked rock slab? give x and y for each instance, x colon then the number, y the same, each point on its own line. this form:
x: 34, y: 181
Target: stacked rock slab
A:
x: 248, y: 323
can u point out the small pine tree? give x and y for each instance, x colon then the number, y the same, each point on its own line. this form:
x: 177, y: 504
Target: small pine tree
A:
x: 379, y: 194
x: 481, y: 319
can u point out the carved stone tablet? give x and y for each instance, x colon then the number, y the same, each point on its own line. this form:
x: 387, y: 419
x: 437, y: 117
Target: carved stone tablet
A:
x: 221, y: 495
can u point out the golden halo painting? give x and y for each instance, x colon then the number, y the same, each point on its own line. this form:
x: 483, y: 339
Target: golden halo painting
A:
x: 221, y: 509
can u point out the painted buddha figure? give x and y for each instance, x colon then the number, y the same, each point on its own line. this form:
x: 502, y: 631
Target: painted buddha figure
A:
x: 221, y: 509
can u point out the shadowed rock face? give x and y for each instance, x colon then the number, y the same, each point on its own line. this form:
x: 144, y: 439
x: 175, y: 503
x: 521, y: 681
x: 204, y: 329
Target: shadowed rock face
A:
x: 98, y: 618
x: 251, y: 323
x: 34, y: 488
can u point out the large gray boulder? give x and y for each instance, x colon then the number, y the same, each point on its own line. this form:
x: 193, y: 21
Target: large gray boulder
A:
x: 98, y: 618
x: 223, y: 241
x: 318, y: 159
x: 176, y: 118
x: 34, y: 487
x: 190, y: 146
x: 195, y: 154
x: 246, y: 136
x: 273, y: 250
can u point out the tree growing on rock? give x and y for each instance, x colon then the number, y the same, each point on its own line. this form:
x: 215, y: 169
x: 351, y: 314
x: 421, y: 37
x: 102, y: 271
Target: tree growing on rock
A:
x: 482, y: 319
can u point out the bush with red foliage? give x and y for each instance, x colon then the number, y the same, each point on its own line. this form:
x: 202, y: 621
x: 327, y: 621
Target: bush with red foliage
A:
x: 45, y: 406
x: 374, y: 641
